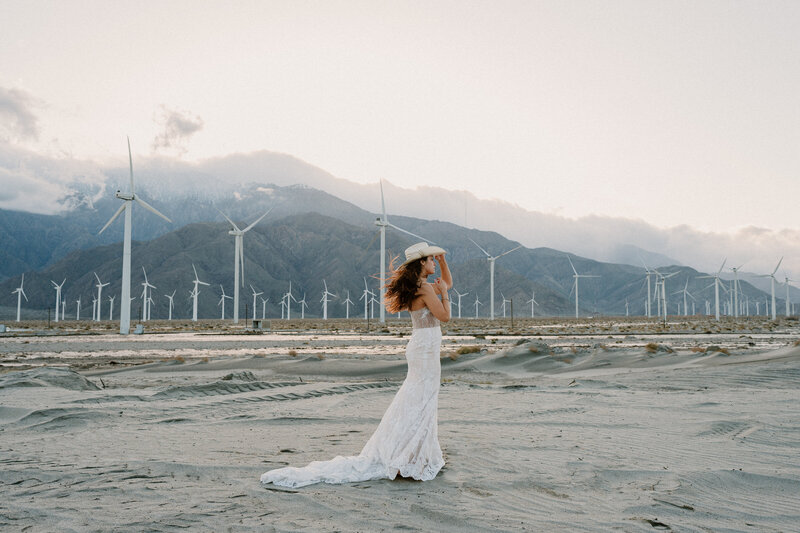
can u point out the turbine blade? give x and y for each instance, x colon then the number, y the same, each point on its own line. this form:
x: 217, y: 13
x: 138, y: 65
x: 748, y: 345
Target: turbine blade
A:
x: 573, y: 266
x: 723, y: 265
x: 130, y: 162
x: 479, y: 246
x: 228, y: 219
x: 412, y: 234
x: 151, y: 208
x: 25, y: 295
x: 778, y: 266
x: 248, y: 228
x: 110, y: 220
x: 98, y: 278
x: 508, y: 252
x: 195, y: 272
x: 241, y: 257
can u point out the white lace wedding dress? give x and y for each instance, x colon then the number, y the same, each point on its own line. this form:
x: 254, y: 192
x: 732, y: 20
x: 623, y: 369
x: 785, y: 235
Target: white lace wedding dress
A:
x: 406, y: 441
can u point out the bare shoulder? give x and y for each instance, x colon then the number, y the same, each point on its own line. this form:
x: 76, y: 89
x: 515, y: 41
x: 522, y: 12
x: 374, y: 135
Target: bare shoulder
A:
x: 426, y: 288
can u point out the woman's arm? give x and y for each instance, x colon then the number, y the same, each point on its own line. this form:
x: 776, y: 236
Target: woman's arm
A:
x: 439, y: 309
x: 446, y: 276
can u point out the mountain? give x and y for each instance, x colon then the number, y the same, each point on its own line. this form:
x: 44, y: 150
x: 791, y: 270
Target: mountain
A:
x: 309, y: 247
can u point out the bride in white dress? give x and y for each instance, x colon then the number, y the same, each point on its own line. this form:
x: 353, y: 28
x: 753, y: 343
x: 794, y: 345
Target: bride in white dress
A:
x: 406, y: 442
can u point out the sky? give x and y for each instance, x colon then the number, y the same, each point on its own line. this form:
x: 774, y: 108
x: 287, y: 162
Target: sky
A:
x: 675, y: 113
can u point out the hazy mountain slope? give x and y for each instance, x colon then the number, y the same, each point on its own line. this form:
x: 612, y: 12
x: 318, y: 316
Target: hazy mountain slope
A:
x: 307, y: 248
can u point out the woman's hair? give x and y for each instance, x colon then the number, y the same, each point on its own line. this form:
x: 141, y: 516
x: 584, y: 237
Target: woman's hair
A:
x: 402, y: 285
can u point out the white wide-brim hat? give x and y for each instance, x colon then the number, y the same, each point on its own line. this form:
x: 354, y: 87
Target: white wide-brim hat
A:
x: 420, y: 250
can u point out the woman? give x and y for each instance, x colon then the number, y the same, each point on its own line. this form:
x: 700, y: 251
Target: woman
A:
x: 406, y: 442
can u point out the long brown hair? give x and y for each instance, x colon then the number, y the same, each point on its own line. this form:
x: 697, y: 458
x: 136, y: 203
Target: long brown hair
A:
x: 402, y: 285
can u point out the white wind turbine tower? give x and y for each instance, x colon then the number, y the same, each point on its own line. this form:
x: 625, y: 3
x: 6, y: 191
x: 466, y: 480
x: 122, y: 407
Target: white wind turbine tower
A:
x: 283, y: 307
x: 222, y: 301
x: 21, y: 292
x: 127, y: 206
x: 365, y: 296
x: 111, y: 308
x: 99, y: 286
x: 477, y: 303
x: 264, y: 307
x: 716, y: 288
x: 383, y: 222
x: 491, y: 273
x: 78, y: 310
x: 94, y: 307
x: 347, y: 303
x: 238, y: 259
x: 255, y: 300
x: 196, y: 293
x: 57, y: 287
x: 772, y: 282
x: 459, y: 300
x: 63, y: 308
x: 533, y: 302
x: 324, y: 300
x: 171, y: 303
x: 576, y: 277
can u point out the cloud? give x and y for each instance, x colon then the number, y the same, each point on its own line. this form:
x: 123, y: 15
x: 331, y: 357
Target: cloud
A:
x: 16, y: 117
x: 41, y: 184
x: 178, y: 127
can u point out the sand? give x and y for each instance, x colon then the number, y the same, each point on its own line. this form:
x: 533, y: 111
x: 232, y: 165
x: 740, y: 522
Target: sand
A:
x: 572, y: 430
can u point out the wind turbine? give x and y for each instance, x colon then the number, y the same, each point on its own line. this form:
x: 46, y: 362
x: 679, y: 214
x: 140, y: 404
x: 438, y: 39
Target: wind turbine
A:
x: 736, y: 290
x: 365, y: 296
x: 99, y: 286
x: 383, y: 222
x: 63, y: 308
x: 477, y: 303
x: 238, y: 259
x: 347, y: 303
x: 255, y: 295
x: 649, y: 273
x: 459, y: 300
x: 289, y: 297
x: 146, y: 297
x: 664, y: 290
x: 111, y: 308
x: 21, y: 292
x: 78, y: 311
x: 264, y: 308
x: 504, y: 304
x: 303, y: 306
x: 685, y: 293
x: 533, y: 302
x: 94, y: 308
x: 576, y: 277
x: 716, y: 288
x: 171, y: 303
x: 324, y: 300
x: 57, y: 287
x: 772, y: 283
x: 222, y: 300
x: 196, y: 293
x: 786, y: 281
x: 491, y: 273
x: 127, y: 206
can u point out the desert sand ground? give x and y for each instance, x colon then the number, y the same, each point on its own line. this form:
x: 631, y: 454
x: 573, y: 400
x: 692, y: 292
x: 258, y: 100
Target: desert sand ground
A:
x: 547, y: 425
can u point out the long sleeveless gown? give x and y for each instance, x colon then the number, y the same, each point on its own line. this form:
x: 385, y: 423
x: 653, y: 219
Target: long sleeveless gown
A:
x: 406, y: 441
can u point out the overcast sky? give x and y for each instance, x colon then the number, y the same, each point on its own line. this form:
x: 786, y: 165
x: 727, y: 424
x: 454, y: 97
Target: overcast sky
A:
x: 672, y: 112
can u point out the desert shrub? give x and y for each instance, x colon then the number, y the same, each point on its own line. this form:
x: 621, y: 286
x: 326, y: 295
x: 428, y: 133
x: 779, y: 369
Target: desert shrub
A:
x: 651, y: 347
x: 293, y: 353
x: 468, y: 349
